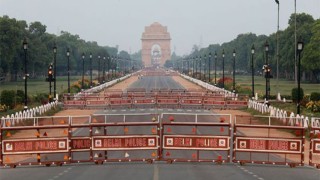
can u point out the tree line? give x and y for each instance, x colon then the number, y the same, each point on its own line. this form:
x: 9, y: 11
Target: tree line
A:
x: 40, y: 50
x: 307, y: 28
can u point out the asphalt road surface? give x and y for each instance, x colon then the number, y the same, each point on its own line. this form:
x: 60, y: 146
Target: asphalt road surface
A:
x: 156, y: 82
x: 158, y: 170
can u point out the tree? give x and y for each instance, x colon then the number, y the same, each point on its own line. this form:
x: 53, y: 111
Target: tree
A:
x: 311, y: 54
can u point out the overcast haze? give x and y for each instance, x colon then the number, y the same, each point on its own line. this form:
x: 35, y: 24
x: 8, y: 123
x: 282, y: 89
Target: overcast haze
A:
x: 121, y: 22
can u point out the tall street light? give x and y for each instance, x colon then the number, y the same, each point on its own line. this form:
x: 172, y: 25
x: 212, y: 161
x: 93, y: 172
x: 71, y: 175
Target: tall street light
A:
x: 82, y: 83
x: 223, y: 68
x: 99, y: 69
x: 215, y: 67
x: 90, y: 70
x: 299, y: 49
x: 193, y: 66
x: 25, y: 49
x: 108, y: 77
x: 114, y: 66
x: 277, y: 39
x: 104, y: 69
x: 200, y: 64
x: 54, y: 71
x: 204, y: 67
x: 252, y: 70
x: 209, y: 72
x: 266, y: 70
x: 68, y: 56
x: 188, y: 60
x: 234, y: 70
x: 196, y: 59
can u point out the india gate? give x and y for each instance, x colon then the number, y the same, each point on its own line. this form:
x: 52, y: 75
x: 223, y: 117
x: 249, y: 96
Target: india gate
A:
x: 155, y: 45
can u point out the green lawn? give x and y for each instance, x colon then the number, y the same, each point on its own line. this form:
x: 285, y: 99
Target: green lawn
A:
x: 36, y: 86
x: 284, y: 86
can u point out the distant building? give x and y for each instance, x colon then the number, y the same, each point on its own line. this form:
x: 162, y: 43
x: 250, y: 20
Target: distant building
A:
x: 155, y: 45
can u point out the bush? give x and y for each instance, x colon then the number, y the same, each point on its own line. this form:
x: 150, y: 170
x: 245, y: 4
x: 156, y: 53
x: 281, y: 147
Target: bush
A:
x: 8, y: 98
x: 314, y: 106
x: 42, y: 98
x: 228, y: 83
x: 315, y: 96
x: 294, y: 94
x: 20, y: 96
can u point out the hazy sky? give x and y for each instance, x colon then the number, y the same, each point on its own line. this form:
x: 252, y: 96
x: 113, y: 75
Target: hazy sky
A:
x: 121, y: 22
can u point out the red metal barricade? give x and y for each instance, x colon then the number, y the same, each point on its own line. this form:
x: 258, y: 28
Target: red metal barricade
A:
x: 266, y: 140
x: 231, y: 104
x: 74, y: 104
x: 314, y: 156
x: 97, y: 138
x: 196, y: 138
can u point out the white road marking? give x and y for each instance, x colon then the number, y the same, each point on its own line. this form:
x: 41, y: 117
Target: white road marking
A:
x: 155, y: 172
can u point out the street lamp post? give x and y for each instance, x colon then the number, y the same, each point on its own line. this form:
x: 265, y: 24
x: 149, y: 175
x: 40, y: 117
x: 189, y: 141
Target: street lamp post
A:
x: 234, y: 70
x: 99, y: 69
x: 252, y: 70
x: 113, y: 67
x: 25, y: 48
x: 188, y: 67
x: 193, y: 66
x: 204, y: 67
x: 90, y: 70
x: 299, y: 49
x: 266, y: 70
x: 223, y: 68
x: 82, y: 83
x: 68, y: 69
x: 196, y: 67
x: 209, y: 72
x: 55, y: 71
x: 200, y: 64
x: 108, y: 77
x: 104, y: 69
x: 215, y: 67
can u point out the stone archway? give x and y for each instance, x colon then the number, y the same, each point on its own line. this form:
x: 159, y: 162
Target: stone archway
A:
x: 155, y: 45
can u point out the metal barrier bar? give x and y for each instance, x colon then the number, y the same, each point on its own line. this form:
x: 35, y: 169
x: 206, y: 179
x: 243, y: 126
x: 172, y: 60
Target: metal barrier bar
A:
x: 314, y: 151
x: 267, y: 145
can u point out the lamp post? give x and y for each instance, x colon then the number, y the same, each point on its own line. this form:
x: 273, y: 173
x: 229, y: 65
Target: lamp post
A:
x: 113, y: 67
x: 200, y: 64
x: 193, y: 66
x: 108, y: 77
x: 252, y: 69
x: 196, y: 67
x: 209, y: 72
x: 104, y: 69
x: 68, y: 69
x: 50, y: 80
x: 223, y: 68
x: 204, y: 65
x: 55, y: 71
x: 277, y: 39
x: 215, y: 67
x: 82, y: 83
x: 234, y: 70
x: 99, y: 69
x: 266, y: 70
x: 25, y: 49
x: 188, y: 67
x: 90, y: 70
x: 299, y: 49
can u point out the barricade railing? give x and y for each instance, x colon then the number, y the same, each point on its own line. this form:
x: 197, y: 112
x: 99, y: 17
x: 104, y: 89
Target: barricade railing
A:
x: 161, y: 100
x: 265, y: 140
x: 63, y: 140
x: 314, y: 155
x: 190, y: 137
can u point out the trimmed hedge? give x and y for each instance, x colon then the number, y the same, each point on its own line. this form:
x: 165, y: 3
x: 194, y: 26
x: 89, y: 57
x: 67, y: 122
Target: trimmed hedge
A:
x: 315, y: 96
x: 294, y: 94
